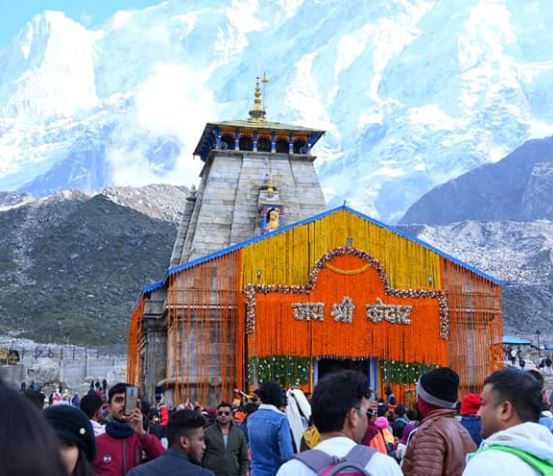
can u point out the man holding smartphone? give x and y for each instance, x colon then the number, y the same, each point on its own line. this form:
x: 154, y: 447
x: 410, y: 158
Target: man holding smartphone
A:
x: 120, y: 448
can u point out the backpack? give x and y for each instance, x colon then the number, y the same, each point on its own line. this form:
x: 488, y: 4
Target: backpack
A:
x: 353, y: 464
x: 541, y: 466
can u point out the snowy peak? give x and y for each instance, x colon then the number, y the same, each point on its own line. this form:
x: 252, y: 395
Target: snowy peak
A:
x: 50, y: 68
x: 413, y: 93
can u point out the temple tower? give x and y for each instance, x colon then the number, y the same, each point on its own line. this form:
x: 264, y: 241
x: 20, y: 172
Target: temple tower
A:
x: 251, y: 167
x: 258, y: 176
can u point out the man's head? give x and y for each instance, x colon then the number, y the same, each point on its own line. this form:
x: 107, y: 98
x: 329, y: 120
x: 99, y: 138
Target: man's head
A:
x: 116, y: 399
x: 186, y: 432
x: 509, y: 397
x: 224, y: 413
x: 271, y: 393
x: 91, y: 404
x: 340, y: 403
x: 438, y: 388
x: 37, y: 398
x: 470, y: 404
x: 399, y: 411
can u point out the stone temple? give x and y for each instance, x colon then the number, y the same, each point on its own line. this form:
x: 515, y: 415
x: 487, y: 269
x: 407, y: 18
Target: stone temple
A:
x: 265, y: 283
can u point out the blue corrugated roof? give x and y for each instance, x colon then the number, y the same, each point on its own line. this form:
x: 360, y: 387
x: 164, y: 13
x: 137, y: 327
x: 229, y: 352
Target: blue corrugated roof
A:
x: 284, y: 229
x: 516, y: 340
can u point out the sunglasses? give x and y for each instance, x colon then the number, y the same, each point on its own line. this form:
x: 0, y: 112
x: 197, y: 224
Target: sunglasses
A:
x: 223, y: 413
x: 369, y: 411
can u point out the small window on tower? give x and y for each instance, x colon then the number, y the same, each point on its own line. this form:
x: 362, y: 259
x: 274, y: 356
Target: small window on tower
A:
x: 246, y: 143
x: 282, y: 146
x: 300, y: 146
x: 264, y: 144
x: 227, y: 142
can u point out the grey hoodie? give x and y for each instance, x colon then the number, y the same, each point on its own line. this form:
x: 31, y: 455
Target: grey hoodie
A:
x: 532, y: 438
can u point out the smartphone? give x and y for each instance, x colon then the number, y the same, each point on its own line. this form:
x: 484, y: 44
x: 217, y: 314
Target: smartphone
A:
x: 131, y: 396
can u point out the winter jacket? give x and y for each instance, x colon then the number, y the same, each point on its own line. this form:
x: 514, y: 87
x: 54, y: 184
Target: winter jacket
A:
x: 438, y: 447
x: 117, y: 456
x: 474, y: 427
x: 270, y: 440
x: 532, y: 438
x: 232, y: 461
x: 173, y: 462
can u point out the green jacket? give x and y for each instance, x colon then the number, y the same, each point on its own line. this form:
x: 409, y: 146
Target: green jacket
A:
x: 232, y: 462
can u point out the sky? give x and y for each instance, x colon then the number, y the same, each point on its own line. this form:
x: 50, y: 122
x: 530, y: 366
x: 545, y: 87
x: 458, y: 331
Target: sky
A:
x: 14, y: 14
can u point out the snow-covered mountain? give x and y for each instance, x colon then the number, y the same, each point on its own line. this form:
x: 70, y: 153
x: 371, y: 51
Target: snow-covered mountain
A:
x: 518, y: 188
x: 412, y: 92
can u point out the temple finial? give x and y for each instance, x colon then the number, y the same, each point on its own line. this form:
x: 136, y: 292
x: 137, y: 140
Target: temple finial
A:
x: 270, y: 186
x: 257, y: 113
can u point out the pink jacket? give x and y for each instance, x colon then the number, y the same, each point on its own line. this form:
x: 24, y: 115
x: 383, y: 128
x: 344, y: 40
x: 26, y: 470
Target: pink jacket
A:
x: 117, y: 456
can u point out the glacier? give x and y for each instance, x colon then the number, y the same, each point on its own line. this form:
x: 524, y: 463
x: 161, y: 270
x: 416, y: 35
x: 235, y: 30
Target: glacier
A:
x: 412, y: 93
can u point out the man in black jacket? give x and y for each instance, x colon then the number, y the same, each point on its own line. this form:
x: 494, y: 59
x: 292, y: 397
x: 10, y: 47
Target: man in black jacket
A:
x: 226, y: 451
x: 186, y: 448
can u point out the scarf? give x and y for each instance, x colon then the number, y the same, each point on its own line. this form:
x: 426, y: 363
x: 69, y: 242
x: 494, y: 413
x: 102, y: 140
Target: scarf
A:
x: 118, y: 429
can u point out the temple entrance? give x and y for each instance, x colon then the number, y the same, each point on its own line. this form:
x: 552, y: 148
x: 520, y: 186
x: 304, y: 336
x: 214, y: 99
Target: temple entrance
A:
x: 367, y: 366
x: 332, y: 365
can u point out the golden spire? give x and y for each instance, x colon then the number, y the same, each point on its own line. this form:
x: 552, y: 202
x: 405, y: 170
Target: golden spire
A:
x: 257, y: 113
x: 270, y: 187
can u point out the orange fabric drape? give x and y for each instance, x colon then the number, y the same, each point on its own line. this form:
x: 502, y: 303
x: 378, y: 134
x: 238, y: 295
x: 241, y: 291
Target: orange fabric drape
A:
x: 277, y: 332
x: 205, y: 353
x: 476, y: 325
x: 134, y: 353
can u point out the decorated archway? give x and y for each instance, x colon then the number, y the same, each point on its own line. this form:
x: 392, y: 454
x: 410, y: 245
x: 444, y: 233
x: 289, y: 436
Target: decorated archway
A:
x: 346, y: 310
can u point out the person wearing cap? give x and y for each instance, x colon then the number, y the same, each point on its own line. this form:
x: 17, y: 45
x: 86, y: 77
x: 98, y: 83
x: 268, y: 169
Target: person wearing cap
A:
x: 269, y: 432
x: 28, y: 443
x: 76, y: 438
x: 440, y: 444
x: 469, y: 408
x: 226, y: 452
x: 514, y: 444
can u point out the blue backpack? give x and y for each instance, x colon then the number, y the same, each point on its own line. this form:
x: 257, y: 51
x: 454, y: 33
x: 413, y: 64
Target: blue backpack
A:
x: 353, y: 464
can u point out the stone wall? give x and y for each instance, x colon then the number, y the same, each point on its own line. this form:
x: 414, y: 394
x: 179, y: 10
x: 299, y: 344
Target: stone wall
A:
x: 72, y: 366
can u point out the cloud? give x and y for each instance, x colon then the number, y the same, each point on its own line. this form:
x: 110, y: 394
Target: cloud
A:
x: 175, y: 103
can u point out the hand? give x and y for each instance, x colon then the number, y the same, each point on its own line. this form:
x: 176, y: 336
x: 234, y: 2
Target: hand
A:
x: 135, y: 422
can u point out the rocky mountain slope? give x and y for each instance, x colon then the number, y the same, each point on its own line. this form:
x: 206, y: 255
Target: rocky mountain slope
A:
x: 72, y: 264
x: 518, y: 187
x: 519, y: 253
x: 499, y: 218
x: 412, y: 92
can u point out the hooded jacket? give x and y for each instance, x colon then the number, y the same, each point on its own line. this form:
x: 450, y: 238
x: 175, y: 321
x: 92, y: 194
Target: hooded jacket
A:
x: 529, y: 437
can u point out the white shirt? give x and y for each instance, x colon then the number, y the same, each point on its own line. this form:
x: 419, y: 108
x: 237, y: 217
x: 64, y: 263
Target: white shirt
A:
x: 98, y: 428
x: 379, y: 465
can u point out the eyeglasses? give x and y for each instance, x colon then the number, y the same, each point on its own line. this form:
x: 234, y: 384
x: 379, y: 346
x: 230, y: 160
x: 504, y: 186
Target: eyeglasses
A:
x: 223, y: 413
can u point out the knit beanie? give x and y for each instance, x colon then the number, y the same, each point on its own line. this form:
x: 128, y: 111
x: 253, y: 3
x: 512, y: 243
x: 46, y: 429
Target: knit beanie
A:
x: 470, y: 404
x: 439, y: 387
x: 72, y: 425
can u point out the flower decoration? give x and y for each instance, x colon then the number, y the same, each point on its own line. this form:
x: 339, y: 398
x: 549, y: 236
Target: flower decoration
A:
x: 250, y: 290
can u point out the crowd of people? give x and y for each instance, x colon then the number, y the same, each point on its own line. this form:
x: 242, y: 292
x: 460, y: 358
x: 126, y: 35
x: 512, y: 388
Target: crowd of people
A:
x: 340, y: 429
x: 515, y: 357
